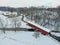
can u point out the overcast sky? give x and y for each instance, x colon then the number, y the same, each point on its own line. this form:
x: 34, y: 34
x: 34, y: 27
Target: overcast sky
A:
x: 28, y: 3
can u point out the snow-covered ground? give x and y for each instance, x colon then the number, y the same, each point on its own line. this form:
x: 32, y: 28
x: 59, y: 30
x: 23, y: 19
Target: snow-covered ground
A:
x: 22, y: 37
x: 10, y: 22
x: 25, y: 38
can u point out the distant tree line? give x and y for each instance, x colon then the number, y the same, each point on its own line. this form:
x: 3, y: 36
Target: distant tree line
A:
x: 25, y: 9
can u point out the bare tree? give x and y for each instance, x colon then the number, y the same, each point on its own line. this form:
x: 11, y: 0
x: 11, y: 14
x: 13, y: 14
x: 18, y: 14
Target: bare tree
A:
x: 16, y: 22
x: 3, y: 24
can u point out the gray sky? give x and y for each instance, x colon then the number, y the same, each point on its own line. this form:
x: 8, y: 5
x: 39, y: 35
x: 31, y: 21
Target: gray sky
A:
x: 28, y: 3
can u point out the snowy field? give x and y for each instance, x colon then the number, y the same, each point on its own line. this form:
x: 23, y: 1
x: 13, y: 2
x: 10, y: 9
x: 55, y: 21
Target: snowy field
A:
x: 22, y: 37
x: 25, y: 38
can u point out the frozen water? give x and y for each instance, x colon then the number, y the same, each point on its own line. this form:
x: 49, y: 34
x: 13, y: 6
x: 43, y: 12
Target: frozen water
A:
x: 24, y: 38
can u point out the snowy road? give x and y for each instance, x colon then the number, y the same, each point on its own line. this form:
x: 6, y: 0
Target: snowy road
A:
x: 24, y: 38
